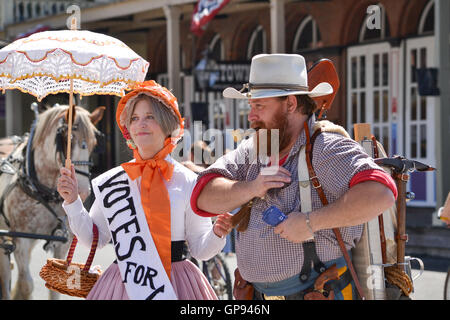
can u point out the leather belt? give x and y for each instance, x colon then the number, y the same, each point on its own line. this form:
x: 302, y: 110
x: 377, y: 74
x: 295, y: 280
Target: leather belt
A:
x: 335, y: 285
x: 179, y: 250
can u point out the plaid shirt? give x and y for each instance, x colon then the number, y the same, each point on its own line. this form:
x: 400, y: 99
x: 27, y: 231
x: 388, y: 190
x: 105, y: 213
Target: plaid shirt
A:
x: 262, y: 255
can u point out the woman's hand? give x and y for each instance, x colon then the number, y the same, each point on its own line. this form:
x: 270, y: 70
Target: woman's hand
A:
x: 67, y: 185
x: 223, y: 225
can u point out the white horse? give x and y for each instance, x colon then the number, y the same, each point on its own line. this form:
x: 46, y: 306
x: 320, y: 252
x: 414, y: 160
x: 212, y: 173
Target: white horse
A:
x: 31, y: 203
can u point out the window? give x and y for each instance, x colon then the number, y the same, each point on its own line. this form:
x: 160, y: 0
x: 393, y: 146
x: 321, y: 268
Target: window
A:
x: 307, y: 36
x: 426, y: 23
x: 369, y: 91
x: 419, y: 119
x: 257, y: 43
x: 216, y: 49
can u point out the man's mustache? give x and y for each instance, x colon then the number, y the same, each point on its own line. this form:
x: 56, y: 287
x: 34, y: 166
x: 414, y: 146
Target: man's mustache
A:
x: 257, y: 125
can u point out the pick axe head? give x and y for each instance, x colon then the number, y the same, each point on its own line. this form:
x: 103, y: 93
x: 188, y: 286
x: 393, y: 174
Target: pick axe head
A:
x: 402, y: 165
x: 324, y: 71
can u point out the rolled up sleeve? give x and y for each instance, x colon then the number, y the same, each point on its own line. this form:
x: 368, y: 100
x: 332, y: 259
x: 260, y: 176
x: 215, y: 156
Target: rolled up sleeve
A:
x: 234, y: 166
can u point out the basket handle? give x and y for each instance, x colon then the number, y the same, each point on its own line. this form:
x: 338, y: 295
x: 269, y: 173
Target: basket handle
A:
x: 90, y: 258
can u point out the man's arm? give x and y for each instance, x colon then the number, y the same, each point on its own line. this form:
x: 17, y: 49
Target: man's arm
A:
x: 221, y: 195
x: 359, y: 204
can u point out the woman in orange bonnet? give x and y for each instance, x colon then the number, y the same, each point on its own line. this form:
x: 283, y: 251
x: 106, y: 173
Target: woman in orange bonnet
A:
x: 144, y: 207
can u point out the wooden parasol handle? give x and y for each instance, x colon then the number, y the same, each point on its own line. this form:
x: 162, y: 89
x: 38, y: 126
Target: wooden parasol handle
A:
x: 68, y: 164
x: 69, y: 126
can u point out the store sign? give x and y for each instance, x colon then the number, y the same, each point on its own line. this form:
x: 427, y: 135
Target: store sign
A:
x: 226, y: 74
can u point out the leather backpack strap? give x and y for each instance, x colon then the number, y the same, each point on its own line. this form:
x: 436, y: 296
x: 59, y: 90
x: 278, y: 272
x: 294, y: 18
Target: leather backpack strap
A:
x: 316, y: 184
x: 241, y: 219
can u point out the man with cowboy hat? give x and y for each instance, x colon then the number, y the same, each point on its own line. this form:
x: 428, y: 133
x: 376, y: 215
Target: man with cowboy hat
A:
x: 285, y: 261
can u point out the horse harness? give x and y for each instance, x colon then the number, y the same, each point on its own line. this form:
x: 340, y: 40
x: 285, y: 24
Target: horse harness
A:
x: 29, y: 183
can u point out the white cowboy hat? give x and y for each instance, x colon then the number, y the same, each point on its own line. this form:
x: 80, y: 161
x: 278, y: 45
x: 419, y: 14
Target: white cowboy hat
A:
x: 277, y: 75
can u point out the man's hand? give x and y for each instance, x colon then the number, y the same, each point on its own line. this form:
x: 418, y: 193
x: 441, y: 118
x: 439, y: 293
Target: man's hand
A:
x: 223, y: 195
x: 294, y: 228
x: 270, y: 177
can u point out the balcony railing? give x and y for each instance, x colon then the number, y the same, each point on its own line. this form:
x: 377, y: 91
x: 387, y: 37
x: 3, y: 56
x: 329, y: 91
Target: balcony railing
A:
x: 25, y: 10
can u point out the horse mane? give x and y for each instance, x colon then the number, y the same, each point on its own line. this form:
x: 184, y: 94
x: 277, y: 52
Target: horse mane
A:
x: 48, y: 123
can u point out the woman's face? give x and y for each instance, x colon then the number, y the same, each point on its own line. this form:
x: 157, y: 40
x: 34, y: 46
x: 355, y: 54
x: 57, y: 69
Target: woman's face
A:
x: 145, y: 130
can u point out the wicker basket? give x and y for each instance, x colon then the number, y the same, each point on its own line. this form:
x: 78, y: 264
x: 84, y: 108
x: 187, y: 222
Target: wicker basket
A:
x: 77, y: 281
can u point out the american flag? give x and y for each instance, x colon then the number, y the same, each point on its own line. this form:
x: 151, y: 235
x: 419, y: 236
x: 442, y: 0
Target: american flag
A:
x: 205, y: 10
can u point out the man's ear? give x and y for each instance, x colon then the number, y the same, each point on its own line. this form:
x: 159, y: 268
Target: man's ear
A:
x: 292, y: 103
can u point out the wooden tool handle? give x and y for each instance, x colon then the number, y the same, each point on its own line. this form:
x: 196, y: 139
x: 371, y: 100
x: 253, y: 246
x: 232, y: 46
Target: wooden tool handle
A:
x: 362, y: 131
x: 69, y: 127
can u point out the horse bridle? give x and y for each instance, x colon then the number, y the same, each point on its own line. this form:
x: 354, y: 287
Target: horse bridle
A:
x: 61, y: 147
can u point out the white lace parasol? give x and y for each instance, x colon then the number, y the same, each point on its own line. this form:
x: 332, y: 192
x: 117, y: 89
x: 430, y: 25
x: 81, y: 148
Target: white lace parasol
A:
x: 44, y: 63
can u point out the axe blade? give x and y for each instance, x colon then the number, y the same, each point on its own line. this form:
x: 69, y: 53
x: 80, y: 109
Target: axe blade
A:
x: 402, y: 165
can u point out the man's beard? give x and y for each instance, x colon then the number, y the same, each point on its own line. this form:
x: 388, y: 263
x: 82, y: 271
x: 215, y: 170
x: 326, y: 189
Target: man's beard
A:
x: 268, y: 136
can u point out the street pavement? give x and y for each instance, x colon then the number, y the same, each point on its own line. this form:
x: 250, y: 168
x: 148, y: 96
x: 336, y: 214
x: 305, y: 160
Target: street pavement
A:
x: 430, y: 286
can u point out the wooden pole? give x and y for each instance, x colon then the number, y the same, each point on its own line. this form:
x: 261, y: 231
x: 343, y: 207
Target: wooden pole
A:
x: 73, y: 26
x: 362, y: 132
x: 401, y: 180
x: 69, y: 127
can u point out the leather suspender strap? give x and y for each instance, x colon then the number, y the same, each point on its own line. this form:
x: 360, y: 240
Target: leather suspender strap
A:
x: 316, y: 184
x: 310, y: 257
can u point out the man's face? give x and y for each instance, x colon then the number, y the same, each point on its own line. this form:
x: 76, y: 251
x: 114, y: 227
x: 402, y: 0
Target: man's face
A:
x: 269, y: 114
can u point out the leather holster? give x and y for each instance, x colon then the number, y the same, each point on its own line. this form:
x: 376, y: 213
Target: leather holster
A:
x: 242, y: 289
x: 320, y: 290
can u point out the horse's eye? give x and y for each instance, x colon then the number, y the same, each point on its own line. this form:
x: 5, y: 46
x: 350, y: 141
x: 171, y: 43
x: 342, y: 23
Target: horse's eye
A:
x: 84, y: 145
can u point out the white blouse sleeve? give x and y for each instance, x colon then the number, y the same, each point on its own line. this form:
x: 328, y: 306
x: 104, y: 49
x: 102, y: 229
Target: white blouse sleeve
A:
x: 80, y: 222
x: 202, y: 241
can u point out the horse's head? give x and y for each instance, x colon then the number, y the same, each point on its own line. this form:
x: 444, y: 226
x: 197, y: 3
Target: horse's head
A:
x: 50, y: 144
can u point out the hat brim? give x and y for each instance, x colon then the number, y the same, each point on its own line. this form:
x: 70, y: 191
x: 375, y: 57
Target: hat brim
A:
x: 322, y: 89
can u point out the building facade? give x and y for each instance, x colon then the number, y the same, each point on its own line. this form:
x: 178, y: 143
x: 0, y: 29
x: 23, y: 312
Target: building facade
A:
x: 384, y: 51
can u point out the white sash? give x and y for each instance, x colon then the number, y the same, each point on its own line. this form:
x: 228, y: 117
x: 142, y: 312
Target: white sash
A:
x: 139, y: 263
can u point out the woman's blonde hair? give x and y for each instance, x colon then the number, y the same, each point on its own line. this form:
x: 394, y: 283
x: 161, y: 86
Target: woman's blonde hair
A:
x: 163, y: 115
